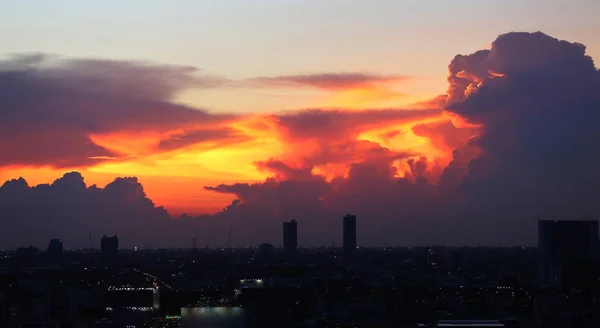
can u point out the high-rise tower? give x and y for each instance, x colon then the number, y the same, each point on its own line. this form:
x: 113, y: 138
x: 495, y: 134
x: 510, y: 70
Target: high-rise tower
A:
x: 563, y: 246
x: 109, y: 246
x: 349, y: 234
x: 290, y: 237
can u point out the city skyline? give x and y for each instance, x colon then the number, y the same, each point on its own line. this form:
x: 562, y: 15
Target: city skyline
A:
x: 114, y: 134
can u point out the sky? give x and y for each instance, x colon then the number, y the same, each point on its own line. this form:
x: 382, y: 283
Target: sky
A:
x: 252, y: 113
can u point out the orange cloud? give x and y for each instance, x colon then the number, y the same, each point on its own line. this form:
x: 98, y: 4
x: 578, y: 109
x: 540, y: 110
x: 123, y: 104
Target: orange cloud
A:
x: 364, y: 97
x: 515, y: 135
x: 111, y: 118
x: 76, y: 113
x: 443, y: 134
x: 345, y: 90
x: 330, y: 81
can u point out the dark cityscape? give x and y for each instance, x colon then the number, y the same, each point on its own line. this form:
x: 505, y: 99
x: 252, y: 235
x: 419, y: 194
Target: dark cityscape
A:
x: 299, y: 164
x: 553, y: 285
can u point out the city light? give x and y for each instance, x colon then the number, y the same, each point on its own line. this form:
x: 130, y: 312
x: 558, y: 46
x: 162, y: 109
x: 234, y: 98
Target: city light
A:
x: 132, y: 308
x: 113, y: 288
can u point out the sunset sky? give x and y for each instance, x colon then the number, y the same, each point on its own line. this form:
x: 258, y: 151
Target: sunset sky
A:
x: 193, y: 97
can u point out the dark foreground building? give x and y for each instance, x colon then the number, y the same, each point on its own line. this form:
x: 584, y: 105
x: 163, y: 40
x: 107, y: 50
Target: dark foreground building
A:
x: 290, y: 237
x: 349, y: 234
x: 110, y: 246
x: 566, y: 247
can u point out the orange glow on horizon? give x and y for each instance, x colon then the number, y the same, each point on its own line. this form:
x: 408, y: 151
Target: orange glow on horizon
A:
x: 362, y: 97
x: 175, y: 178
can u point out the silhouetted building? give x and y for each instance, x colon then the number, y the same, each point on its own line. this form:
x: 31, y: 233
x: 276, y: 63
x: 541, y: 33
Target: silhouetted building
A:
x: 265, y: 252
x: 55, y: 248
x: 26, y: 255
x: 290, y: 237
x: 194, y: 242
x: 563, y: 246
x: 110, y: 245
x: 349, y: 234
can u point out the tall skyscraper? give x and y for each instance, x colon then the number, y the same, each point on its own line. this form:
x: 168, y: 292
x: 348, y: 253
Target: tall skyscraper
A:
x: 350, y: 234
x: 194, y: 242
x: 55, y: 247
x: 564, y: 245
x: 290, y: 237
x: 109, y: 245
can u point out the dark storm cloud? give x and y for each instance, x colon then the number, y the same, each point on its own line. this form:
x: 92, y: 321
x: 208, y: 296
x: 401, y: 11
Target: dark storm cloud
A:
x: 539, y: 139
x: 49, y: 106
x: 58, y: 144
x: 67, y: 208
